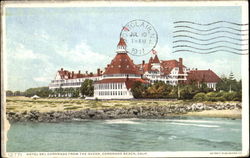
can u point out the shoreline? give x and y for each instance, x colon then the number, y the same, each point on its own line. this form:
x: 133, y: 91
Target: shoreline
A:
x: 215, y: 110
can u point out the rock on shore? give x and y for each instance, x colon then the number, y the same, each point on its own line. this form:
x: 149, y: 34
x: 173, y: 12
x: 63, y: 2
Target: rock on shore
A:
x: 115, y: 113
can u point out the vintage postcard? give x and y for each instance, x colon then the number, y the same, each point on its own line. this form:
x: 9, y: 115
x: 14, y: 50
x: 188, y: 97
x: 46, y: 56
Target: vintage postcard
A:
x: 125, y: 79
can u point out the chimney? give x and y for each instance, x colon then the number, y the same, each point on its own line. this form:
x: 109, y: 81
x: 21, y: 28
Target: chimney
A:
x: 79, y: 72
x: 72, y: 74
x: 91, y: 73
x: 98, y: 72
x: 86, y: 72
x: 180, y: 66
x: 196, y: 69
x: 143, y: 62
x: 61, y: 69
x: 180, y: 62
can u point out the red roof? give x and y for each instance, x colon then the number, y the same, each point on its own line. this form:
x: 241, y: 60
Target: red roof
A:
x: 166, y: 66
x: 65, y: 74
x: 121, y: 42
x: 150, y: 60
x: 122, y: 64
x: 129, y: 82
x: 202, y: 76
x: 156, y: 59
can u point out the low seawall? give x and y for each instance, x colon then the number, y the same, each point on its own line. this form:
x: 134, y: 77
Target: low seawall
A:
x: 116, y: 113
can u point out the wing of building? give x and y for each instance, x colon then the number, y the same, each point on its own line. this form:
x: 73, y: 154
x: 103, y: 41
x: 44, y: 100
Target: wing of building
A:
x: 203, y: 76
x: 119, y: 76
x: 116, y: 80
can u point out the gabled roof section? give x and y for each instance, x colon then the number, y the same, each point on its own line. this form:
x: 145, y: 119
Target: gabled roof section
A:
x: 156, y: 59
x: 121, y: 42
x: 122, y: 64
x: 202, y: 76
x: 65, y: 74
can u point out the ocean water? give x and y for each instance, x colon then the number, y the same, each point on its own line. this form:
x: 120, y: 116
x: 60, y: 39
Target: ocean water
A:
x: 171, y: 134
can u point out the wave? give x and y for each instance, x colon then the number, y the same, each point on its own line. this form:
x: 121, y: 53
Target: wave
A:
x: 212, y: 29
x: 205, y: 44
x: 198, y: 121
x: 237, y: 39
x: 207, y: 34
x: 209, y: 48
x: 220, y: 50
x: 172, y: 137
x: 197, y: 125
x: 121, y: 121
x: 228, y: 22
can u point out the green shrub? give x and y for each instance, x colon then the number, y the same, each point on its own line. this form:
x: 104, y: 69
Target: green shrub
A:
x: 216, y: 96
x: 200, y: 97
x: 211, y: 94
x: 220, y: 99
x: 230, y: 96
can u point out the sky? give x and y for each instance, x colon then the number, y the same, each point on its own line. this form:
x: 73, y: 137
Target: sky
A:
x: 40, y: 41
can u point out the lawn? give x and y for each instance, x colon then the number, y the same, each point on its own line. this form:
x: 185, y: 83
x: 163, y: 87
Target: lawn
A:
x: 20, y: 104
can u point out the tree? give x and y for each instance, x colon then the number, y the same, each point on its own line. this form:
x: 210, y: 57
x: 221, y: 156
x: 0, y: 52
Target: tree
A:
x: 159, y: 90
x: 9, y: 93
x: 188, y: 91
x: 75, y: 92
x: 40, y: 91
x: 17, y: 93
x: 138, y: 90
x: 227, y: 84
x: 231, y: 76
x: 87, y: 88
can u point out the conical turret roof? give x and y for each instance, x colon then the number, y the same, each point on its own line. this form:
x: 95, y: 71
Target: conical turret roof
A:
x: 122, y: 64
x: 122, y: 42
x: 156, y: 59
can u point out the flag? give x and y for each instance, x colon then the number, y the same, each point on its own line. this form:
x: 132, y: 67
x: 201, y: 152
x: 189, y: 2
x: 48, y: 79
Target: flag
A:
x: 125, y: 28
x: 154, y: 52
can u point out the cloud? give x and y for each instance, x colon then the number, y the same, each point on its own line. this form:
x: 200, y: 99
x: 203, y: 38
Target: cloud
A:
x: 42, y: 79
x: 164, y: 51
x: 41, y: 35
x: 27, y: 68
x: 20, y: 52
x: 83, y: 55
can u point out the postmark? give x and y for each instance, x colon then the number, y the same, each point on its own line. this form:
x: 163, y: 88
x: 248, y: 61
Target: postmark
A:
x: 140, y: 36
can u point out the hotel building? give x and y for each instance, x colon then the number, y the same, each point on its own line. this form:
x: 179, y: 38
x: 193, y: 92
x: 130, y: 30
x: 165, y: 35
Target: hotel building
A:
x: 116, y: 80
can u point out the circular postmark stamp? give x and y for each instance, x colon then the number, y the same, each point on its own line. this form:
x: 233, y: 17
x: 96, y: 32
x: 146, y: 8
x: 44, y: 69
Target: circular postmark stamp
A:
x: 140, y: 37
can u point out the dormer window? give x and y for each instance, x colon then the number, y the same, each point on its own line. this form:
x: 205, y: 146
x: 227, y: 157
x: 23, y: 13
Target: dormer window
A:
x: 119, y: 66
x: 127, y: 66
